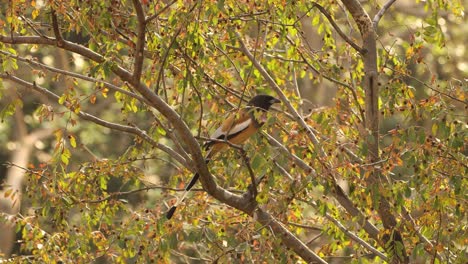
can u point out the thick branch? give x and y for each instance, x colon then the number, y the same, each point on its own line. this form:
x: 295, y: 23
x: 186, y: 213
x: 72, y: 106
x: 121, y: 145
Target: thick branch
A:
x: 127, y: 129
x: 156, y: 102
x: 366, y: 28
x: 381, y: 12
x: 140, y: 43
x: 209, y: 184
x: 56, y: 28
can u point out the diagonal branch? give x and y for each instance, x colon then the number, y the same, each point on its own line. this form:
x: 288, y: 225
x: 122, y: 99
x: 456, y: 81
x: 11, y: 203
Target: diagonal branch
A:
x: 157, y: 14
x: 381, y: 12
x: 288, y: 238
x: 69, y: 46
x: 347, y: 232
x: 123, y: 128
x: 337, y: 28
x: 342, y: 198
x: 240, y: 202
x: 76, y: 75
x: 280, y: 93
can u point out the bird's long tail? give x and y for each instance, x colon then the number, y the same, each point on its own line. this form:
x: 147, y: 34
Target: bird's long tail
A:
x: 189, y: 186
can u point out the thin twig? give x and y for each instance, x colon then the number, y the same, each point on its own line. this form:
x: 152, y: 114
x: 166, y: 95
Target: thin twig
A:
x: 76, y: 75
x: 164, y: 58
x: 306, y: 226
x: 348, y: 233
x: 427, y: 85
x: 157, y: 14
x: 115, y: 195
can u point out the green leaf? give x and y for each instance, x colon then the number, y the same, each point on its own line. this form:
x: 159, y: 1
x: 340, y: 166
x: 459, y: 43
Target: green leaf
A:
x: 62, y: 99
x: 65, y: 156
x: 72, y: 141
x: 257, y: 161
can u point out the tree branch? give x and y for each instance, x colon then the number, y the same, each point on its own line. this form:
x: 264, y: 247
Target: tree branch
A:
x: 372, y: 137
x: 127, y: 129
x: 208, y: 182
x: 340, y: 195
x: 162, y: 10
x: 55, y: 27
x: 337, y: 28
x: 288, y: 238
x: 381, y: 12
x: 160, y: 105
x: 76, y: 75
x: 140, y: 43
x: 350, y: 234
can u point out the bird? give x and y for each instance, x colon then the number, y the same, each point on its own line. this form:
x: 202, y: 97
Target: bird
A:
x: 236, y: 129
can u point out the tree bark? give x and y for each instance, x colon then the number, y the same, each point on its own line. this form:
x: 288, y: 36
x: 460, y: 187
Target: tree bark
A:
x: 11, y: 205
x: 369, y: 56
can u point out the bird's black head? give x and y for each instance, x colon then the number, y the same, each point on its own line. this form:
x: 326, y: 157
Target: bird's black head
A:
x: 263, y: 101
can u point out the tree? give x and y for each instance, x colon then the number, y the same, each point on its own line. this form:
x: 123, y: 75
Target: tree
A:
x: 375, y: 175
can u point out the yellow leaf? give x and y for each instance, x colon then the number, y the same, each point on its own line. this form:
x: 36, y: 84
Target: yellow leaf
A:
x: 7, y: 193
x: 35, y: 13
x: 72, y: 141
x: 104, y: 92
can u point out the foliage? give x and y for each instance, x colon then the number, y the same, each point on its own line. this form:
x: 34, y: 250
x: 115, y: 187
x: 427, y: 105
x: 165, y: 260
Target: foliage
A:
x: 102, y: 196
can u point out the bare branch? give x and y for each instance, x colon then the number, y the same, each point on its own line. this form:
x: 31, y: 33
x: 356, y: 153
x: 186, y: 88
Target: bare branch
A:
x: 70, y: 46
x: 280, y: 93
x: 127, y: 129
x: 288, y: 238
x: 140, y: 43
x: 350, y: 234
x: 115, y: 195
x: 315, y: 228
x: 162, y: 10
x: 337, y: 28
x: 340, y: 195
x: 381, y: 12
x: 76, y: 75
x: 372, y: 137
x: 164, y: 58
x: 57, y: 33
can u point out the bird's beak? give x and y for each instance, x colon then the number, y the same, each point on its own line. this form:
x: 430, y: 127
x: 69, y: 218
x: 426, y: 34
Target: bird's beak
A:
x: 275, y: 101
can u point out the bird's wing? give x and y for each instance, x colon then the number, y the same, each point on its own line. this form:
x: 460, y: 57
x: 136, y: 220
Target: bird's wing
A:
x: 233, y: 125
